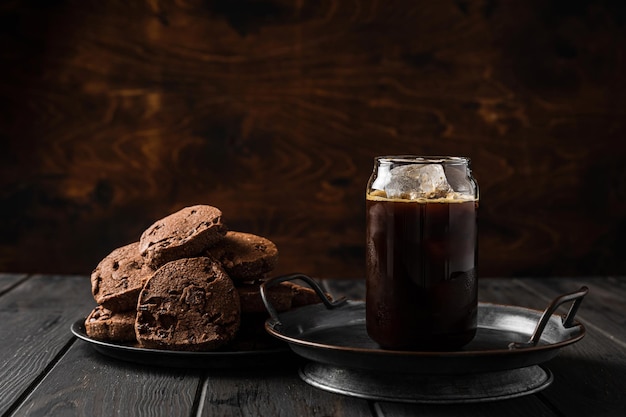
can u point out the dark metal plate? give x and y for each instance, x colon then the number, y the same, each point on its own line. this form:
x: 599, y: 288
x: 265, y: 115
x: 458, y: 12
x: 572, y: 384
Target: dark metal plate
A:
x: 178, y: 359
x: 427, y: 389
x: 338, y: 337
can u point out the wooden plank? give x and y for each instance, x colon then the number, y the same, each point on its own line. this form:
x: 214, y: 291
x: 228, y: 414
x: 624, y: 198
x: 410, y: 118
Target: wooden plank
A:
x: 273, y: 392
x: 36, y: 318
x: 96, y: 385
x: 519, y: 407
x: 492, y: 290
x: 594, y: 368
x: 604, y: 307
x: 87, y: 383
x: 510, y: 292
x: 8, y: 281
x: 589, y: 376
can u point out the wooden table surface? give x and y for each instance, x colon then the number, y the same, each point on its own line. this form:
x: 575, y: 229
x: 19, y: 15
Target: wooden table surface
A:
x: 46, y: 371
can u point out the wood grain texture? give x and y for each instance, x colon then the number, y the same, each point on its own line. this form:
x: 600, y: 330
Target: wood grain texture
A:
x: 120, y: 113
x: 602, y: 306
x: 36, y: 314
x: 515, y: 408
x: 273, y: 393
x: 596, y: 366
x: 8, y: 281
x: 94, y: 385
x: 590, y: 375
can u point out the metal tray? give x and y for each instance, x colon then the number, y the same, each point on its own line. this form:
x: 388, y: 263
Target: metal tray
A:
x: 508, y: 337
x: 427, y: 389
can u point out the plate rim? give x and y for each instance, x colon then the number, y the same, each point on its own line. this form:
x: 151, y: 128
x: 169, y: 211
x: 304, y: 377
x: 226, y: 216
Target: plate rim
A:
x: 78, y: 329
x: 270, y: 325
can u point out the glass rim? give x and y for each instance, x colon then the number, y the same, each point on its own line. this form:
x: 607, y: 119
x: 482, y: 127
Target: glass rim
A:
x: 417, y: 159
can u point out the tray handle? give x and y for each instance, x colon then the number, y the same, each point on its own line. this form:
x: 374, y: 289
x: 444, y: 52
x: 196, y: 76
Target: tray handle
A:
x: 310, y: 282
x: 567, y: 319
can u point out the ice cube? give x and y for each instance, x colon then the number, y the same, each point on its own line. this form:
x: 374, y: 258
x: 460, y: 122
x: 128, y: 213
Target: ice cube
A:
x: 459, y: 180
x: 412, y: 182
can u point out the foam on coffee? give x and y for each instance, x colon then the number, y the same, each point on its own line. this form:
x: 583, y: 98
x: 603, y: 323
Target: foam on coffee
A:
x: 453, y: 197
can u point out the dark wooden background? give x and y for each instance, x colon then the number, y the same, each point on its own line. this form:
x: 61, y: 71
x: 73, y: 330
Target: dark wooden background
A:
x: 116, y: 113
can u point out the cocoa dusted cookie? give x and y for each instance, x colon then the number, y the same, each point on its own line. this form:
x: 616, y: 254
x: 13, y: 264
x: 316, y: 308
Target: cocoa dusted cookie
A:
x: 103, y: 324
x: 188, y: 304
x: 184, y: 234
x: 245, y: 256
x: 119, y: 277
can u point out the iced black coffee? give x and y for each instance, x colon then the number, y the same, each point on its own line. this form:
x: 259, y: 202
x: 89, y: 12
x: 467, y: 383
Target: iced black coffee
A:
x: 421, y: 253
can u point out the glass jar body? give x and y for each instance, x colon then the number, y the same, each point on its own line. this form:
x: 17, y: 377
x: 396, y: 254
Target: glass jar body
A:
x: 421, y: 256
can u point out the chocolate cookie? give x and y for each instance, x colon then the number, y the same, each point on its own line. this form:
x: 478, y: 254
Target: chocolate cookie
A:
x: 302, y: 296
x: 245, y: 256
x: 119, y: 277
x: 280, y: 297
x: 188, y: 304
x: 183, y: 234
x: 103, y: 324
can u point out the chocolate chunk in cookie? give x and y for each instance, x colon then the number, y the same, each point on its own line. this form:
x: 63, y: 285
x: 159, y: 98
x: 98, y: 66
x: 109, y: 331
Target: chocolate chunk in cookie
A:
x: 119, y: 277
x: 245, y: 256
x: 188, y: 304
x: 103, y: 324
x: 183, y: 234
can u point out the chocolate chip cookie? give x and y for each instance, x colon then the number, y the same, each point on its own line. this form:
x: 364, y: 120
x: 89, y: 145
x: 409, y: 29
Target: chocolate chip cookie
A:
x: 183, y: 234
x: 103, y: 324
x: 303, y: 296
x: 119, y: 277
x: 188, y: 304
x: 279, y: 296
x: 245, y: 256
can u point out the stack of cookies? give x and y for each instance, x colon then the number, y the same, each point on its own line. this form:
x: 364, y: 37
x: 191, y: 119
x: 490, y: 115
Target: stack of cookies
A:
x: 189, y: 284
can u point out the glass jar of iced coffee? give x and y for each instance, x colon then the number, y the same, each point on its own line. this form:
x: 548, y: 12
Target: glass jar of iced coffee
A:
x: 421, y: 253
